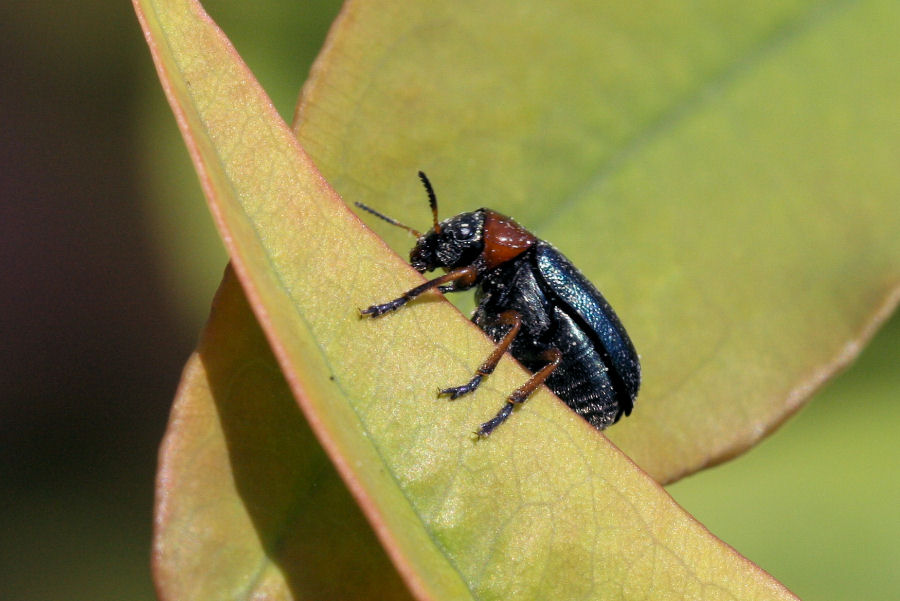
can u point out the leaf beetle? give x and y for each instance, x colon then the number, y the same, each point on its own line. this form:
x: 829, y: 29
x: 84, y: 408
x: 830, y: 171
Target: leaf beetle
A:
x: 533, y: 303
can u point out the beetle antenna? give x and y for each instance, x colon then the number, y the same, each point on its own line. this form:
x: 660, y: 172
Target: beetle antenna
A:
x: 415, y: 233
x: 432, y: 200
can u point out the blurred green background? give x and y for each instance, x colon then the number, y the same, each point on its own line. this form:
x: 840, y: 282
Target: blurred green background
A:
x: 109, y: 263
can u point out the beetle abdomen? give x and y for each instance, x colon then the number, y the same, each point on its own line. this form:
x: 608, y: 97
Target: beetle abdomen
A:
x: 582, y: 378
x: 595, y: 317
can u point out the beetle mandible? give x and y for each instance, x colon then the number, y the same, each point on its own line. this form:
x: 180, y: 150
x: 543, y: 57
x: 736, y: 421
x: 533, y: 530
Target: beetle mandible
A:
x: 534, y: 304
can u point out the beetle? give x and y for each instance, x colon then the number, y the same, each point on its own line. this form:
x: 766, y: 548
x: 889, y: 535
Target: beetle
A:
x: 533, y: 303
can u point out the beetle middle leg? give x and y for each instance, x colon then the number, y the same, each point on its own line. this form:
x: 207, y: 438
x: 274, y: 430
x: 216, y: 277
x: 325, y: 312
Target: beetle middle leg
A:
x: 520, y: 394
x: 507, y: 318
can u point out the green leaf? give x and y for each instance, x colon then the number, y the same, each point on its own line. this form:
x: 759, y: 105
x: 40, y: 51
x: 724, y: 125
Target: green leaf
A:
x: 249, y: 504
x: 545, y: 509
x: 725, y: 172
x: 825, y: 484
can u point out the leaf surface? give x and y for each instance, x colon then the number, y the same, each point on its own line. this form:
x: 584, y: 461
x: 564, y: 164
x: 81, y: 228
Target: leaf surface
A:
x: 725, y: 172
x: 248, y: 503
x: 544, y: 509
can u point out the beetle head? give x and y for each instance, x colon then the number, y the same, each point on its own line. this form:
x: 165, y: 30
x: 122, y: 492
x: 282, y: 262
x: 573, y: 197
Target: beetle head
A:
x: 455, y: 242
x: 452, y: 243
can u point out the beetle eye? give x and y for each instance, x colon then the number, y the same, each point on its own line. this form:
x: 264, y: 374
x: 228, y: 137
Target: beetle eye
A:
x: 464, y: 232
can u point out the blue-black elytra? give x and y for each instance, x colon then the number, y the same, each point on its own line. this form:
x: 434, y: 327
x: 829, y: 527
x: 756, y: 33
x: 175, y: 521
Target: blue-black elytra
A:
x: 533, y: 303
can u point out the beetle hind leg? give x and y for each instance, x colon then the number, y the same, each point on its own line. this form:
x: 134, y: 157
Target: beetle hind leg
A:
x: 510, y: 318
x: 521, y: 394
x: 488, y: 426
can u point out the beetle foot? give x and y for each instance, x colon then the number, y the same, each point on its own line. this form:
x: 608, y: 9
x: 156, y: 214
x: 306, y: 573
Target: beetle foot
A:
x: 378, y: 310
x: 457, y: 391
x: 489, y: 426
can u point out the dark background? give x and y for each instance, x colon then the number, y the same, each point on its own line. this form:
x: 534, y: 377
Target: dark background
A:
x: 107, y: 266
x: 100, y: 305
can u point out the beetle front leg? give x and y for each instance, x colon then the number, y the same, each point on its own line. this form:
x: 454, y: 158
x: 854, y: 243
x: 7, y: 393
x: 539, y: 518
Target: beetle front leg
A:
x: 520, y: 394
x: 509, y: 318
x: 463, y: 273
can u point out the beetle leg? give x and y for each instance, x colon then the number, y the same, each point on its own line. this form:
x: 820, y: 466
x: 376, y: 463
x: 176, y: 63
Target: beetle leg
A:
x: 520, y: 394
x: 462, y: 273
x: 510, y: 318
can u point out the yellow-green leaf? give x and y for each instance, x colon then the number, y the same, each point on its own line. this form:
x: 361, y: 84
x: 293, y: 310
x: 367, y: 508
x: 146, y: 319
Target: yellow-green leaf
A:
x: 248, y: 504
x: 545, y: 509
x: 725, y: 172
